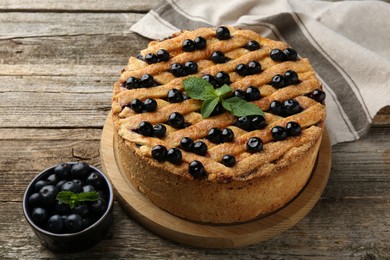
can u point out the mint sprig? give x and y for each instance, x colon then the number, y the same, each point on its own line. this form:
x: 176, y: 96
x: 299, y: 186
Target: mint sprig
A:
x: 74, y: 199
x: 199, y: 88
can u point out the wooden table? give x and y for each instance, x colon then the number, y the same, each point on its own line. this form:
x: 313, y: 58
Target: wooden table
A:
x: 58, y: 62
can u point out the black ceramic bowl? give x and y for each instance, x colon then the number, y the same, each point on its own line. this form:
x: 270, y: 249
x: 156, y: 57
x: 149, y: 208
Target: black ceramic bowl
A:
x: 71, y: 242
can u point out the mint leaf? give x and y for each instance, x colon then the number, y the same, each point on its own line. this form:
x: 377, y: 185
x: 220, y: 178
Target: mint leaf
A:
x: 239, y: 107
x: 222, y: 91
x: 208, y: 107
x: 88, y: 196
x: 64, y: 196
x: 74, y: 199
x: 199, y: 88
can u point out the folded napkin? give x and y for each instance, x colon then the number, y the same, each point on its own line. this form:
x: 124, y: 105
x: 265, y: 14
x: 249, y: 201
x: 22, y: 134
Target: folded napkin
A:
x: 347, y: 43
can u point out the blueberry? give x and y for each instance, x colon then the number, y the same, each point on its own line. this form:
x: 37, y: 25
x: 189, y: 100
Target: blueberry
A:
x: 163, y: 55
x: 136, y: 105
x: 82, y: 210
x: 71, y: 186
x: 200, y: 148
x: 159, y: 130
x: 39, y: 216
x: 223, y: 33
x: 214, y: 135
x: 62, y: 208
x: 217, y: 110
x: 60, y: 183
x: 86, y: 222
x: 211, y: 80
x: 196, y: 169
x: 145, y: 128
x: 318, y: 95
x: 244, y: 123
x: 222, y: 78
x: 174, y: 156
x: 291, y: 77
x: 218, y: 57
x: 48, y: 195
x: 39, y: 184
x: 191, y: 67
x: 277, y: 55
x: 293, y: 128
x: 52, y: 179
x: 55, y: 224
x: 140, y: 57
x: 254, y: 145
x: 177, y: 70
x: 159, y: 152
x: 176, y: 120
x: 279, y: 133
x: 252, y: 45
x: 185, y: 97
x: 257, y: 122
x: 34, y: 200
x: 88, y: 188
x: 252, y: 93
x: 98, y: 206
x: 63, y: 171
x: 200, y: 43
x: 95, y: 179
x: 228, y: 160
x: 174, y: 96
x: 132, y: 83
x: 73, y: 223
x: 188, y: 45
x: 187, y: 144
x: 291, y: 107
x: 290, y: 54
x: 80, y: 170
x: 151, y: 58
x: 242, y: 69
x: 254, y: 67
x: 147, y: 81
x: 239, y: 93
x: 150, y: 105
x: 79, y: 182
x: 278, y: 81
x: 227, y: 135
x: 276, y: 107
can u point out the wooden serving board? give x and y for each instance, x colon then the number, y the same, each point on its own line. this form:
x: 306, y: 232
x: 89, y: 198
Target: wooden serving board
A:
x: 208, y: 235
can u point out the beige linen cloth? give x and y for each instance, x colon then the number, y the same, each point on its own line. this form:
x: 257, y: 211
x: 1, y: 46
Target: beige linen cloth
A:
x: 348, y: 44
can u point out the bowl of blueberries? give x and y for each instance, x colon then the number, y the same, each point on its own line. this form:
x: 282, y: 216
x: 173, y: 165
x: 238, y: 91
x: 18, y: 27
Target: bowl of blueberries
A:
x: 69, y: 206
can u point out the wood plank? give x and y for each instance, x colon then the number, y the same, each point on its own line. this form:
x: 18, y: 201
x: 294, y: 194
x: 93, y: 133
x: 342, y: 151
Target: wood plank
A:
x: 57, y: 101
x: 108, y: 48
x: 353, y: 234
x: 359, y: 170
x: 16, y: 25
x: 54, y: 109
x: 76, y: 5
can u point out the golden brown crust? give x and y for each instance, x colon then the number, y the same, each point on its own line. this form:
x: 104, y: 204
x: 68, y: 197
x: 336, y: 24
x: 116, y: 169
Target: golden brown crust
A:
x: 269, y: 173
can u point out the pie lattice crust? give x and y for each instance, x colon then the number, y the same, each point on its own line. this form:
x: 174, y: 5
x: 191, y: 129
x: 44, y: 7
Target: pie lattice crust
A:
x: 258, y: 183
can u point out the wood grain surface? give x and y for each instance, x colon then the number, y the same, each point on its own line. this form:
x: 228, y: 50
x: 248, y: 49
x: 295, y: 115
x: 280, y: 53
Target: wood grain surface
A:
x: 58, y: 61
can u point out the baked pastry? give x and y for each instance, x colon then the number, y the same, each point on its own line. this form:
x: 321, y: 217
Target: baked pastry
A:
x: 221, y: 168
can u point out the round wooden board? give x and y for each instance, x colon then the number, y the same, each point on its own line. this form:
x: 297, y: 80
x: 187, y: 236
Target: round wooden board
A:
x: 207, y: 235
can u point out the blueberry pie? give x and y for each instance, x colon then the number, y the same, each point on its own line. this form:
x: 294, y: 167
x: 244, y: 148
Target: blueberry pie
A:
x: 230, y: 164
